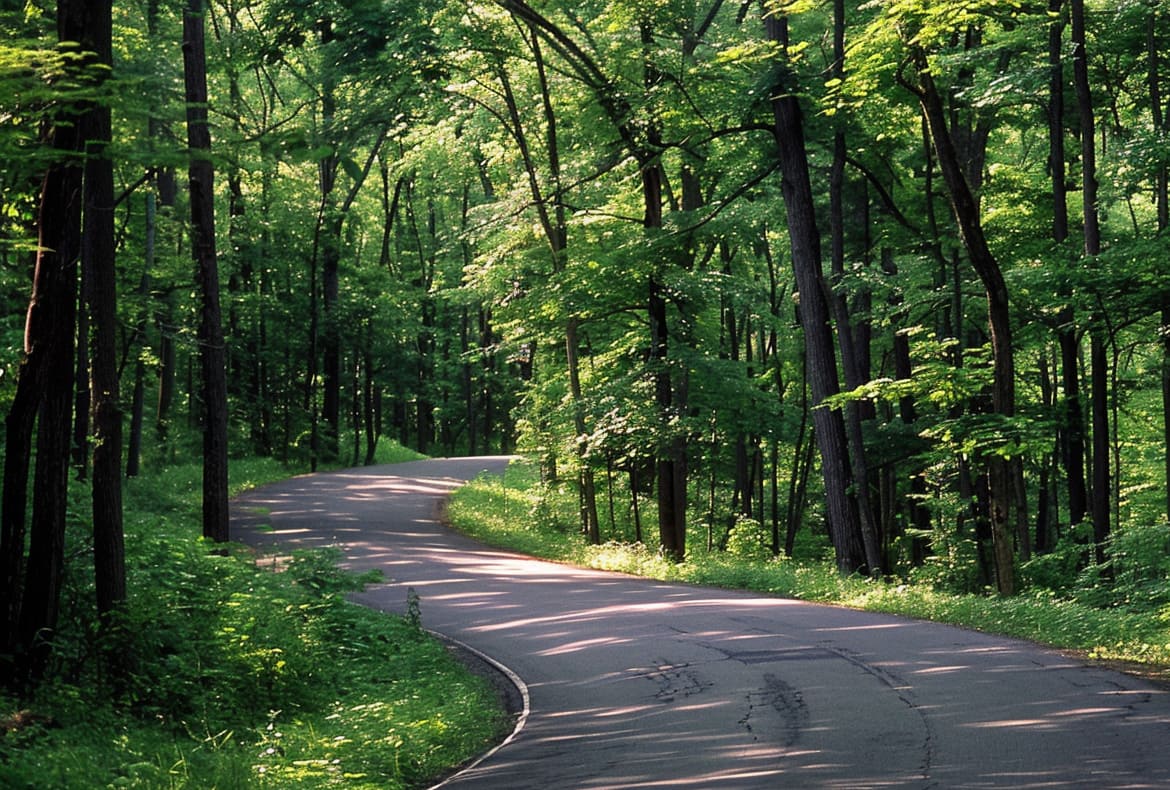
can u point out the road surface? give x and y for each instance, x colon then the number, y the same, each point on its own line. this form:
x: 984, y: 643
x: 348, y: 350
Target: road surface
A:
x: 641, y: 684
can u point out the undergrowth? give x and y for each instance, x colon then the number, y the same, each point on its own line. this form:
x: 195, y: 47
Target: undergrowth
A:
x: 237, y: 675
x: 1129, y: 620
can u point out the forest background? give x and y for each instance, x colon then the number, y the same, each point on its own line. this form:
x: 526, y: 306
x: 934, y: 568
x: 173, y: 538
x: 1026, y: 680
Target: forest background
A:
x: 881, y: 284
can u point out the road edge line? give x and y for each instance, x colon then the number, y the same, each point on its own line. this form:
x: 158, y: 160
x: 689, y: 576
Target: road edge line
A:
x: 509, y: 675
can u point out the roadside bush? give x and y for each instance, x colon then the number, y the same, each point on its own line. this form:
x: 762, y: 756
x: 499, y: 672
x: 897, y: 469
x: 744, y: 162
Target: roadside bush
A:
x: 1139, y: 559
x: 237, y: 674
x: 749, y: 540
x: 1057, y: 571
x: 952, y: 567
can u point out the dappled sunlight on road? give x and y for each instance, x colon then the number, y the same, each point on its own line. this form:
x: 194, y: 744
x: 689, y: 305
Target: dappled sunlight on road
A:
x: 640, y: 684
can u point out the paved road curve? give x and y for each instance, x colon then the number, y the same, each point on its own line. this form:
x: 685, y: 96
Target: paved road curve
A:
x: 640, y: 684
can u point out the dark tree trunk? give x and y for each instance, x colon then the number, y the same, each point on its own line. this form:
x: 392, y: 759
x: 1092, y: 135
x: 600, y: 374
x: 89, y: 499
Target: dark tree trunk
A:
x: 44, y: 391
x: 1072, y: 444
x: 820, y: 354
x: 851, y: 364
x: 588, y: 489
x: 487, y: 402
x: 368, y: 391
x: 330, y: 249
x: 98, y: 259
x: 1006, y: 507
x: 81, y: 402
x: 1102, y: 486
x: 1162, y: 202
x: 167, y: 370
x: 211, y: 345
x: 331, y: 339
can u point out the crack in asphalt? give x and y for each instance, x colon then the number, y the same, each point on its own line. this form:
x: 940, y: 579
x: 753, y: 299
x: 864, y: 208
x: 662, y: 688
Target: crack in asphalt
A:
x: 674, y: 680
x: 904, y: 692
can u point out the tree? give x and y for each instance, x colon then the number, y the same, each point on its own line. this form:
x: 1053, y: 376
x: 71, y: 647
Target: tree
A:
x: 1100, y: 501
x: 31, y: 588
x: 855, y: 551
x: 98, y: 256
x: 210, y: 336
x: 1006, y: 500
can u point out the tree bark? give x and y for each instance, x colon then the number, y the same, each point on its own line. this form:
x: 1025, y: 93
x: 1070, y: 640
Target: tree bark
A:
x: 138, y: 399
x: 81, y: 402
x: 850, y: 362
x: 1100, y: 510
x: 1072, y: 434
x: 210, y: 338
x: 42, y: 400
x: 98, y: 256
x: 1162, y: 202
x: 820, y: 354
x: 1005, y: 504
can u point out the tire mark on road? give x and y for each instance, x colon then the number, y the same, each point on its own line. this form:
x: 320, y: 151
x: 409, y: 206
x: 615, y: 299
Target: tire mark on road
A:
x: 786, y: 701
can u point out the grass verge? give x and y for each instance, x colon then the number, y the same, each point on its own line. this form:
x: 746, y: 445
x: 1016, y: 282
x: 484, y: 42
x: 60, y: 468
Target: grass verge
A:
x: 236, y: 676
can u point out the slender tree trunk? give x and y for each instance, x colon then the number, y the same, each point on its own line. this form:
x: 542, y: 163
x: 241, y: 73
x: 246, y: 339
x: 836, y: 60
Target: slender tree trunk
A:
x: 487, y: 402
x: 1162, y: 202
x: 98, y: 260
x: 1072, y: 444
x: 211, y: 345
x: 851, y: 365
x: 1004, y: 492
x: 44, y: 389
x: 1102, y: 484
x: 81, y: 402
x: 820, y: 353
x: 330, y: 248
x: 368, y: 392
x: 167, y: 370
x: 919, y: 514
x: 588, y: 489
x: 138, y: 399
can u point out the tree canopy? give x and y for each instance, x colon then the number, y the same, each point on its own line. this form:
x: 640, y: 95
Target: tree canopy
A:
x: 886, y: 274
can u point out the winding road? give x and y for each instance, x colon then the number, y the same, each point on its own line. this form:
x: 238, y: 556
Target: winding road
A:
x: 640, y: 684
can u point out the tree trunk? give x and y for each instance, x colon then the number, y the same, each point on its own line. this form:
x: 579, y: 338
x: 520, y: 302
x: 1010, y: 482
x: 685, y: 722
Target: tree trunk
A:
x: 211, y: 345
x: 1102, y: 487
x: 138, y: 399
x: 820, y: 354
x: 81, y: 402
x: 44, y: 389
x: 98, y: 261
x: 167, y: 370
x: 368, y: 391
x: 330, y: 250
x: 1072, y: 436
x: 851, y: 365
x: 1162, y: 202
x: 1005, y: 505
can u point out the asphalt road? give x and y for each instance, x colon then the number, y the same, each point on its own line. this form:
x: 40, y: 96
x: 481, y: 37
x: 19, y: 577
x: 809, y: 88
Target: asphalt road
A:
x: 640, y: 684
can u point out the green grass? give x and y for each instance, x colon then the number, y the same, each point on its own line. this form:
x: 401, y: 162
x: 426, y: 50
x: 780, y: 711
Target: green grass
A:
x: 237, y: 676
x: 520, y: 513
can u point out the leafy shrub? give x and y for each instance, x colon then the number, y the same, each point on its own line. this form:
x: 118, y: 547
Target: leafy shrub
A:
x: 1139, y: 559
x: 1057, y: 570
x: 749, y: 540
x: 318, y: 570
x: 953, y: 565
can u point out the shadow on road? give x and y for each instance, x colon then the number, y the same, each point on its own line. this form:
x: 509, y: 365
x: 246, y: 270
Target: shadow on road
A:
x: 641, y: 684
